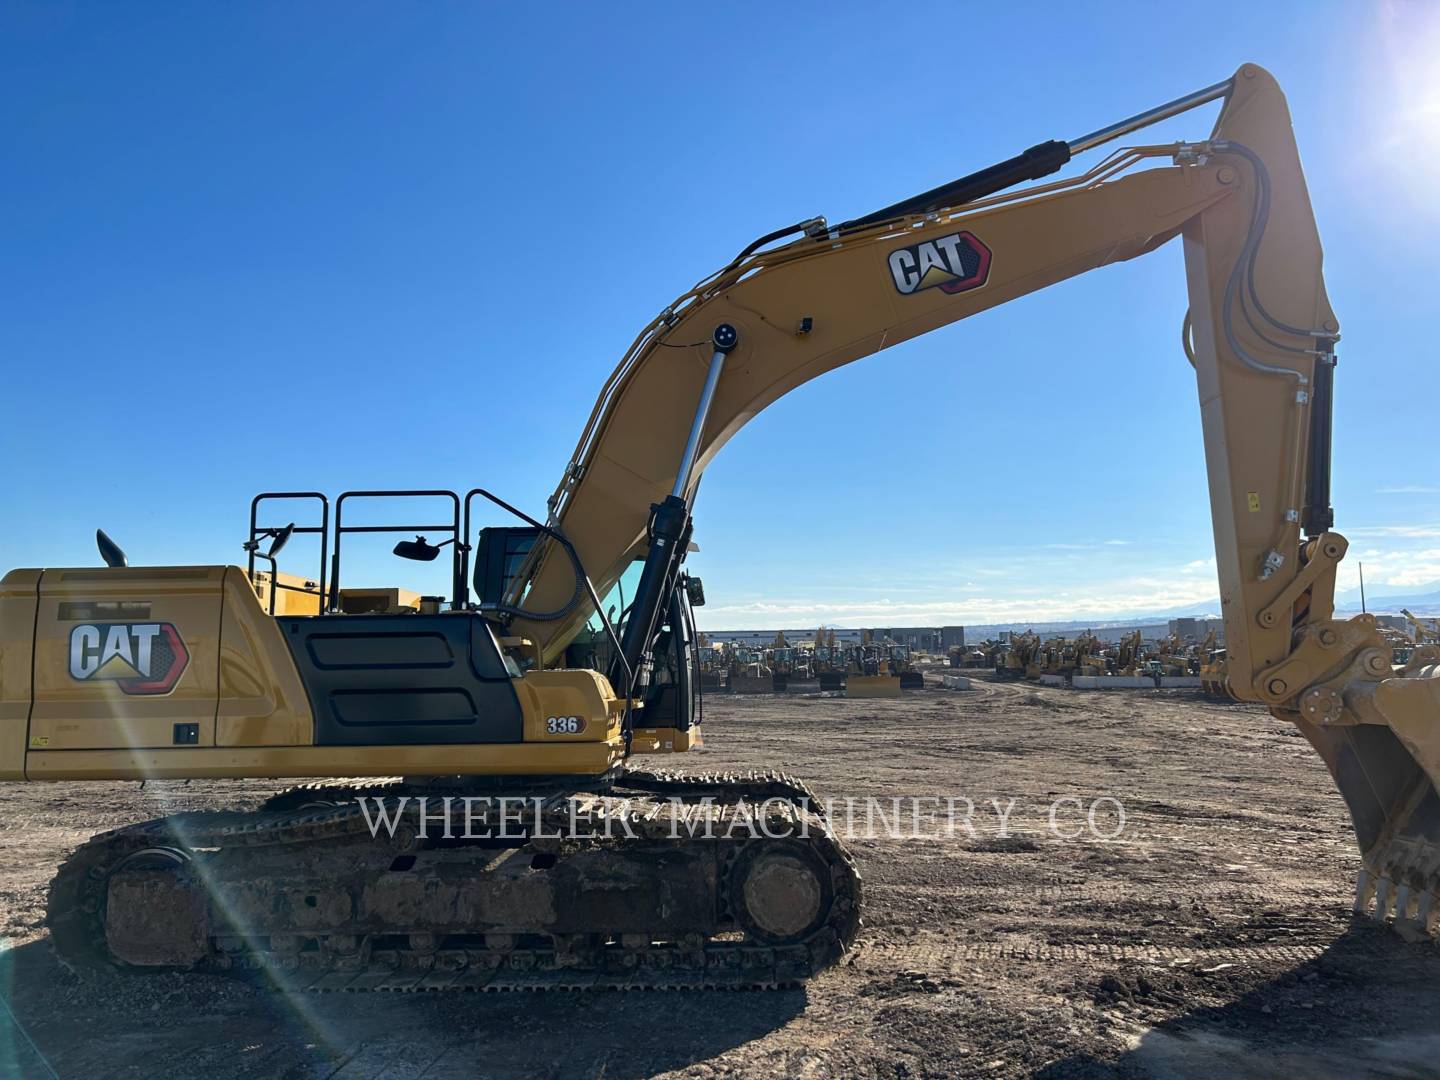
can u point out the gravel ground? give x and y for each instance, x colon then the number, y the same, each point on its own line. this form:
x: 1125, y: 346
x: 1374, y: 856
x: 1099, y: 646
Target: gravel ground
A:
x: 1211, y: 938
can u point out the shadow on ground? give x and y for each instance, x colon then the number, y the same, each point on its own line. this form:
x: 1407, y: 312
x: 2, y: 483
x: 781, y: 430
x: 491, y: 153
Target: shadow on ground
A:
x: 188, y: 1025
x: 1366, y: 1006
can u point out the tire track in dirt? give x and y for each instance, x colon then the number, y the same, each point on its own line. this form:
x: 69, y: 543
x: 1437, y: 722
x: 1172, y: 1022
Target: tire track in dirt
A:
x: 948, y: 957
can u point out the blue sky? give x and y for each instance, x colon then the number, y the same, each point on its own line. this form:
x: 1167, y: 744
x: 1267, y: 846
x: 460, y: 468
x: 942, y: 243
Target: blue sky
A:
x: 267, y: 246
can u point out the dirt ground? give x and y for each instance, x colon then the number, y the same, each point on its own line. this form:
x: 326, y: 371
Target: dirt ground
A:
x: 1212, y: 938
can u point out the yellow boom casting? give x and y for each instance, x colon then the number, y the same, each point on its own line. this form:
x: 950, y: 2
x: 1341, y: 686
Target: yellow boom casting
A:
x: 119, y: 672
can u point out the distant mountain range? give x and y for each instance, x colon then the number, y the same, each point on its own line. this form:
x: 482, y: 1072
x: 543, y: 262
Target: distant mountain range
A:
x: 1384, y: 601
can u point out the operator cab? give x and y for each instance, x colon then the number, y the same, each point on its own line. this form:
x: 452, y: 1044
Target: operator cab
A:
x: 395, y: 666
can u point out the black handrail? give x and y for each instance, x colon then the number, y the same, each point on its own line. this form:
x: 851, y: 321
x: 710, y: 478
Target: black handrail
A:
x: 458, y: 589
x: 258, y: 531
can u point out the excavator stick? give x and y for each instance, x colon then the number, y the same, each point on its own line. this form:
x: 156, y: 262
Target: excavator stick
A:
x: 1264, y: 350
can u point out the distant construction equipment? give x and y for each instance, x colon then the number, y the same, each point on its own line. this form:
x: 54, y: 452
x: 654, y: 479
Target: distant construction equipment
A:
x: 1085, y: 661
x: 868, y: 668
x: 877, y: 666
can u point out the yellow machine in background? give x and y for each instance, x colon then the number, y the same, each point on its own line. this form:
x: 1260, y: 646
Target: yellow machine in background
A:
x: 1014, y: 658
x: 1128, y: 655
x: 869, y: 674
x: 520, y: 681
x: 1212, y: 676
x: 1424, y: 635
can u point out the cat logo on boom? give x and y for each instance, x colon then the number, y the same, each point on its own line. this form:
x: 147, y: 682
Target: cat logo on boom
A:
x: 953, y: 264
x: 140, y: 658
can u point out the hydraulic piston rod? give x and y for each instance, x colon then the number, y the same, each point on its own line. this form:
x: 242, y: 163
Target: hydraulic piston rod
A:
x: 724, y: 340
x: 1039, y: 161
x: 1149, y: 116
x: 670, y: 525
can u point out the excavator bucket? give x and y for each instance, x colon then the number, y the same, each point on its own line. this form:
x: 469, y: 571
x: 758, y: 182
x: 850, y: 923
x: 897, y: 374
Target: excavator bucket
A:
x: 1384, y: 754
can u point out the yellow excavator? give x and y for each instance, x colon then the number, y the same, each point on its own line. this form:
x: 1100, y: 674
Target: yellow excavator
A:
x: 1128, y: 655
x: 1014, y: 657
x: 521, y: 846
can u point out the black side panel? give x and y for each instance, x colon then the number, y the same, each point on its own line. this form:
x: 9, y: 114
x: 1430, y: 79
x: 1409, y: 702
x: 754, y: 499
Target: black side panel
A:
x: 401, y: 680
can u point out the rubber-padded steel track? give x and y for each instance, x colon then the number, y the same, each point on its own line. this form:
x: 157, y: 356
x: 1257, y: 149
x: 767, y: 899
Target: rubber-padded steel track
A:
x: 295, y: 889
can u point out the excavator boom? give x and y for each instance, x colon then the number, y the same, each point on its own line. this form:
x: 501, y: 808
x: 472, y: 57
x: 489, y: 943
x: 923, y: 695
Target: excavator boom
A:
x: 1260, y: 333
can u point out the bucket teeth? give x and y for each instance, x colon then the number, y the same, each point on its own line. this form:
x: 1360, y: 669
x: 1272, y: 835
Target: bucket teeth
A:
x: 1382, y: 900
x: 1424, y: 920
x: 1364, y: 890
x: 1404, y: 888
x: 1402, y: 903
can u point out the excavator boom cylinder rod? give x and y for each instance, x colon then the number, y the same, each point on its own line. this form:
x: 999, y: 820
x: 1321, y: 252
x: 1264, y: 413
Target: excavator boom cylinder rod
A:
x: 1150, y: 116
x: 1039, y: 161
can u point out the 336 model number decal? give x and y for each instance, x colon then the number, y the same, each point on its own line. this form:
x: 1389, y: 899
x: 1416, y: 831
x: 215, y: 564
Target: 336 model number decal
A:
x: 564, y: 725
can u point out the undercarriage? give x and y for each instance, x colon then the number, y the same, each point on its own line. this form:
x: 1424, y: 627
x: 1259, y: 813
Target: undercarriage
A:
x: 641, y: 880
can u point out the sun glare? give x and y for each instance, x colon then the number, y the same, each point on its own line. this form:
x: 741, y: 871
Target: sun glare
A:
x: 1410, y: 109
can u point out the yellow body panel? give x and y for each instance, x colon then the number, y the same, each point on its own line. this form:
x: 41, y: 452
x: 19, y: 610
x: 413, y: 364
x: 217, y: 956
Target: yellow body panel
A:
x: 569, y: 693
x: 18, y: 592
x: 364, y: 601
x: 295, y: 596
x: 95, y: 714
x: 262, y: 701
x: 666, y: 740
x: 242, y: 691
x: 467, y: 759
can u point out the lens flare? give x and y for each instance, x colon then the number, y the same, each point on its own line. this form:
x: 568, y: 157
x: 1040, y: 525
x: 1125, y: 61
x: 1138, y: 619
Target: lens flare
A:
x: 1408, y: 146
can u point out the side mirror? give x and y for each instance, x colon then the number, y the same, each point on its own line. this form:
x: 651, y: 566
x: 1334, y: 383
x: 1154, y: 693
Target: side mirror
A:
x: 695, y: 590
x: 281, y: 539
x: 110, y: 552
x: 418, y: 550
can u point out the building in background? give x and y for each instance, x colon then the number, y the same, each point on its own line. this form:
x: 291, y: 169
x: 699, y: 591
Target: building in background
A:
x: 931, y: 639
x: 1197, y: 629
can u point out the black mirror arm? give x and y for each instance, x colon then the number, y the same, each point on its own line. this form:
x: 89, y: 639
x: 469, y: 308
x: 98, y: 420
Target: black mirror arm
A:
x: 281, y: 539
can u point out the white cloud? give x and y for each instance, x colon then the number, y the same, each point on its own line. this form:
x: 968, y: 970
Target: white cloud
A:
x: 1096, y: 600
x: 1407, y: 532
x: 1087, y: 546
x: 1389, y: 566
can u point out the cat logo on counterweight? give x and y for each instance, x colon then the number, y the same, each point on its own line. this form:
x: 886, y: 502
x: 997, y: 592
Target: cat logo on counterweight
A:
x: 139, y: 658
